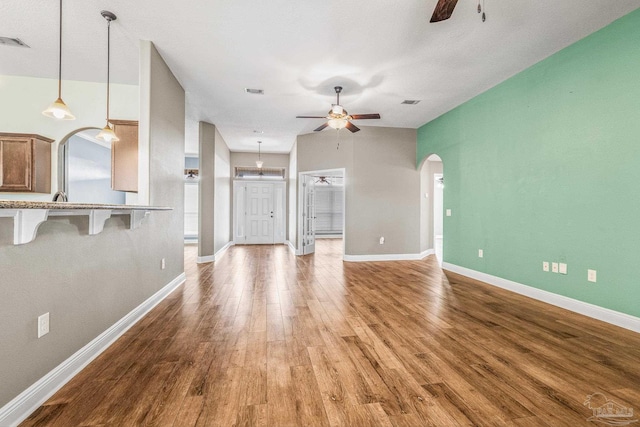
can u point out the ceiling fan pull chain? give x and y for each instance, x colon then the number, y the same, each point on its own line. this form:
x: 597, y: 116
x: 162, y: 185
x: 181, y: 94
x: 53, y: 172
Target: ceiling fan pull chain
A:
x: 479, y: 7
x: 484, y: 16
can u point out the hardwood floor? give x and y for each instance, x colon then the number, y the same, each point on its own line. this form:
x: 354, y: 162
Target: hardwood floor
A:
x: 263, y: 338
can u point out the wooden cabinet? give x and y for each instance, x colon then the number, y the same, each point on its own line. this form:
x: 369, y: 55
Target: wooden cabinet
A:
x: 25, y: 163
x: 124, y: 156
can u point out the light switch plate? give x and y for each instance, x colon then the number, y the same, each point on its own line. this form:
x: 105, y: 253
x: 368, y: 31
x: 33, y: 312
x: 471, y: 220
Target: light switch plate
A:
x: 592, y: 275
x: 448, y: 212
x: 554, y: 267
x: 43, y: 325
x: 480, y: 253
x: 562, y: 268
x: 545, y: 266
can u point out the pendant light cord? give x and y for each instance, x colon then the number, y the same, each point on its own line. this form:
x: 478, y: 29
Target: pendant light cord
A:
x: 108, y: 63
x: 60, y: 56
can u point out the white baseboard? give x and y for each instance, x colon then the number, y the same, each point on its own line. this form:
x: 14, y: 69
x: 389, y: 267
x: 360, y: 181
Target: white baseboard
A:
x: 388, y: 257
x: 291, y: 247
x: 600, y: 313
x: 205, y: 259
x: 214, y: 257
x: 18, y: 409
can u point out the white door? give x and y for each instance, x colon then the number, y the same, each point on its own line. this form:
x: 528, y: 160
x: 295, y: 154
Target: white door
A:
x: 259, y: 212
x: 308, y: 215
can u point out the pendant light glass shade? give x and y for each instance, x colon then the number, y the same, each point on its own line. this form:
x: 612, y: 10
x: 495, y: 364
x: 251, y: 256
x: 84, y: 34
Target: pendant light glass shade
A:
x: 58, y: 109
x: 107, y: 134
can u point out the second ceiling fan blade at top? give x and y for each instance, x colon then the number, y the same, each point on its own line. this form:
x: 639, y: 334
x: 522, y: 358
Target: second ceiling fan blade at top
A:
x: 311, y: 117
x: 443, y: 10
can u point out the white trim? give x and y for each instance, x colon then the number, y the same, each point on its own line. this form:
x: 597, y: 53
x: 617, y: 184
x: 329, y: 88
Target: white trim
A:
x: 205, y: 259
x: 291, y: 247
x: 222, y: 251
x: 388, y: 257
x: 216, y: 256
x: 18, y: 409
x: 329, y: 236
x: 600, y: 313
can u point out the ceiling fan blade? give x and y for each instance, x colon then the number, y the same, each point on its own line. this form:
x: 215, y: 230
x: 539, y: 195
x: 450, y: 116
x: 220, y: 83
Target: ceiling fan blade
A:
x: 324, y: 125
x: 311, y: 117
x: 443, y: 10
x: 353, y: 128
x: 365, y: 116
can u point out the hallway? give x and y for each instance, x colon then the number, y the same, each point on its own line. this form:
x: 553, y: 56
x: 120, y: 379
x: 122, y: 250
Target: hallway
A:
x: 265, y: 338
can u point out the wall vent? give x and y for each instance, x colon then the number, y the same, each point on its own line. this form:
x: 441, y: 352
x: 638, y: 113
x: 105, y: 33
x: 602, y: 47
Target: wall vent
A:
x: 254, y: 91
x: 410, y: 101
x: 8, y: 41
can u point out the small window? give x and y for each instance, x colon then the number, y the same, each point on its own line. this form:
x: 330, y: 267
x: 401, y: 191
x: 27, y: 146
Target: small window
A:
x: 252, y: 172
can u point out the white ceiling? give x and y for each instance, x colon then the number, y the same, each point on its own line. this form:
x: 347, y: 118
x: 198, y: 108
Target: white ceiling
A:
x: 381, y: 51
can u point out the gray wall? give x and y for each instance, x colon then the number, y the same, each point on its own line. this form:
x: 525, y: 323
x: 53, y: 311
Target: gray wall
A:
x: 292, y: 200
x: 382, y: 185
x: 206, y: 202
x: 87, y: 283
x: 215, y: 191
x: 222, y: 230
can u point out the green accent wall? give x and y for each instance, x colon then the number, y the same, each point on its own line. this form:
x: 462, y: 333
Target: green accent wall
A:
x: 546, y: 167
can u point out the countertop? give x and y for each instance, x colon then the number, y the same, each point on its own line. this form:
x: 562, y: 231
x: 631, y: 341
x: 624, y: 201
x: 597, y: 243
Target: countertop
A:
x: 24, y: 204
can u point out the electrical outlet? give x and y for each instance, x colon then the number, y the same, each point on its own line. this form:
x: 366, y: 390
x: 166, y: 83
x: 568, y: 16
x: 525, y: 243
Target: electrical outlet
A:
x: 592, y: 275
x: 562, y: 268
x: 163, y: 264
x: 545, y: 266
x: 448, y: 212
x: 554, y: 267
x: 382, y: 240
x: 480, y: 253
x: 43, y: 325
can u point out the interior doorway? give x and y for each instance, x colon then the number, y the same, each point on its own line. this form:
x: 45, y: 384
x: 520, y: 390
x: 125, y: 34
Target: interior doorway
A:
x: 321, y: 208
x: 432, y: 206
x: 259, y: 212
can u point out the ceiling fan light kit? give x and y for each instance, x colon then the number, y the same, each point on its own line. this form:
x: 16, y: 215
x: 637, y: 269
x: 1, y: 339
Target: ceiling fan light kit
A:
x: 338, y: 118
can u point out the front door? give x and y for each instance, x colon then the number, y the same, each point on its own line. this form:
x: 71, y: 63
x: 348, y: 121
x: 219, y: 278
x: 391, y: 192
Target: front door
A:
x: 259, y: 213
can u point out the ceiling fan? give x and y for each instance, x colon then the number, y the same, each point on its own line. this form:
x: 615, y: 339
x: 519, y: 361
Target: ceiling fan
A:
x: 444, y: 10
x: 338, y: 118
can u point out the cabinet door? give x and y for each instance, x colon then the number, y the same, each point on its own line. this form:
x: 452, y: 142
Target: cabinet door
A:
x: 15, y: 164
x: 124, y: 156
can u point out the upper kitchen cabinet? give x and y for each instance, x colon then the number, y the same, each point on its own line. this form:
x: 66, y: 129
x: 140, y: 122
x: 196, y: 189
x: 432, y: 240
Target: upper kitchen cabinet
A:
x: 25, y: 163
x: 124, y: 156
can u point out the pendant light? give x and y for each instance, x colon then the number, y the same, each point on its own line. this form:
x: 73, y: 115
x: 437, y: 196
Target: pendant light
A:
x: 107, y: 134
x: 58, y: 109
x: 259, y: 162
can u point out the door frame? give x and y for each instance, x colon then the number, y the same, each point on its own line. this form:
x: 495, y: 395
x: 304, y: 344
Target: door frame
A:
x: 277, y: 183
x: 299, y: 218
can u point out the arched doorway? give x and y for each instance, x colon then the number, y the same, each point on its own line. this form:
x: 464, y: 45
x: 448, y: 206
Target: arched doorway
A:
x: 84, y: 169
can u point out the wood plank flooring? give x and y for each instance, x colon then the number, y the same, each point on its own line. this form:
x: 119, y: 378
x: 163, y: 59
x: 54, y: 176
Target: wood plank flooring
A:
x: 263, y: 338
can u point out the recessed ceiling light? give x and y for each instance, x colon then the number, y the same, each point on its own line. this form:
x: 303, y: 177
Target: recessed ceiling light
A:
x: 410, y: 101
x: 258, y: 131
x: 254, y: 91
x: 8, y: 41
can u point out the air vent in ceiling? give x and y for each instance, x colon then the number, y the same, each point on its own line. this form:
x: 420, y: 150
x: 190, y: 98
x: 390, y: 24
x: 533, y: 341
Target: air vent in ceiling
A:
x: 410, y: 101
x: 254, y: 91
x: 8, y: 41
